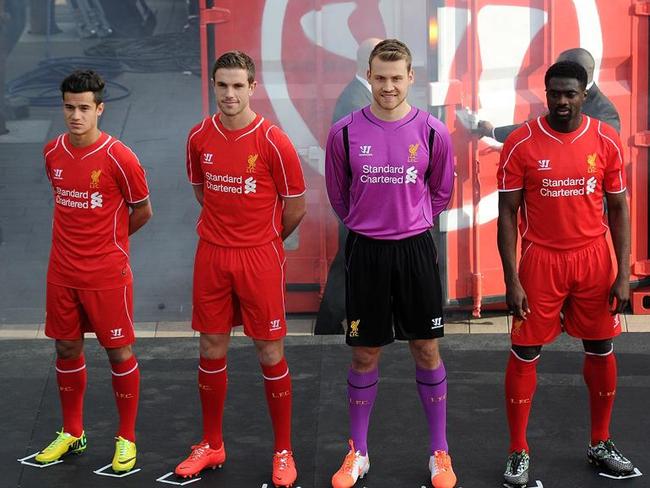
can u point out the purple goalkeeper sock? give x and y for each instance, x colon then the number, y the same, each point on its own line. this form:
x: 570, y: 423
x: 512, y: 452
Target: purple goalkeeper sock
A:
x: 362, y: 390
x: 432, y: 387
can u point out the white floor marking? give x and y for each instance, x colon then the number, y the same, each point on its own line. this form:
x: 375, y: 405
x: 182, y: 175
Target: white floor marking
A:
x: 37, y: 465
x: 163, y: 479
x: 101, y: 472
x: 635, y: 474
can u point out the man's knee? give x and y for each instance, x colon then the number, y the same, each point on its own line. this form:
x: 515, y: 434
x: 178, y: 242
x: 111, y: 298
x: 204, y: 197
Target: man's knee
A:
x: 426, y: 353
x: 526, y: 353
x: 269, y: 353
x: 213, y: 346
x: 118, y: 355
x: 69, y: 349
x: 365, y: 359
x: 600, y: 347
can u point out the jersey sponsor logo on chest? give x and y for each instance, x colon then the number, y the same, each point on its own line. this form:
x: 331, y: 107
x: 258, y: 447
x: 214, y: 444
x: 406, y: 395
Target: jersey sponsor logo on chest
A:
x: 543, y: 164
x: 388, y: 174
x: 74, y: 198
x: 230, y: 184
x: 207, y: 158
x: 568, y: 187
x: 57, y: 174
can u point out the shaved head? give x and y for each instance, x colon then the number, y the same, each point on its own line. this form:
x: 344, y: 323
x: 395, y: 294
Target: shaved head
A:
x: 582, y: 57
x: 363, y: 54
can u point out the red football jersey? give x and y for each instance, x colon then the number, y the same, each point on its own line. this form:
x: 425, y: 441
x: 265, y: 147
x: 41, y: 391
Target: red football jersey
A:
x: 92, y: 186
x: 245, y: 174
x: 563, y: 177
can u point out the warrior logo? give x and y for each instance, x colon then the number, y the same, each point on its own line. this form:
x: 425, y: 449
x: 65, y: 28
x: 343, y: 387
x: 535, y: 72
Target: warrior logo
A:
x: 365, y: 150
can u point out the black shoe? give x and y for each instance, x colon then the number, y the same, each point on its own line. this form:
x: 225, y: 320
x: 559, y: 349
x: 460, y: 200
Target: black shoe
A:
x: 605, y: 455
x: 517, y: 468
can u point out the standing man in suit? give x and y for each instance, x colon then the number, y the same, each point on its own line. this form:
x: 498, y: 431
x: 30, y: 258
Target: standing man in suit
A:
x: 354, y: 96
x: 596, y: 105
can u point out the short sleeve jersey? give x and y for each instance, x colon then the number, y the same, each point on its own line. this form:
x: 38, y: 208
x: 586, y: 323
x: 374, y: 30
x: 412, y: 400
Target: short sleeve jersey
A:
x: 564, y: 177
x: 389, y: 180
x: 93, y: 187
x: 245, y: 174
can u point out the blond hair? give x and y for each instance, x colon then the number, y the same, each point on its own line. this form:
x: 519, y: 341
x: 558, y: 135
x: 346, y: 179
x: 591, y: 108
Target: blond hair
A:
x: 392, y: 50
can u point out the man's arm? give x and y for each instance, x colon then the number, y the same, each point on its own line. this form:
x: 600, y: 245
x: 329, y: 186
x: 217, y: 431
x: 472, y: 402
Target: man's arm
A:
x: 441, y: 179
x: 293, y: 210
x: 619, y: 225
x: 141, y: 212
x: 198, y: 193
x: 337, y: 173
x: 516, y: 299
x: 487, y: 129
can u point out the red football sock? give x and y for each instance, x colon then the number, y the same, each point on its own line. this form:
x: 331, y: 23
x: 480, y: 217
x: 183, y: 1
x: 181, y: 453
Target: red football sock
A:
x: 71, y: 376
x: 126, y: 385
x: 277, y: 384
x: 521, y: 380
x: 213, y: 382
x: 600, y: 376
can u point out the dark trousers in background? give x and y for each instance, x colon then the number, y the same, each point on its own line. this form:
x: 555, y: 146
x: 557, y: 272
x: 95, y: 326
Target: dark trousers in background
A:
x: 332, y: 307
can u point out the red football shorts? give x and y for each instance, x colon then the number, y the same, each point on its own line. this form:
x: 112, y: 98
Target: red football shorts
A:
x: 576, y: 282
x: 108, y: 313
x: 239, y: 285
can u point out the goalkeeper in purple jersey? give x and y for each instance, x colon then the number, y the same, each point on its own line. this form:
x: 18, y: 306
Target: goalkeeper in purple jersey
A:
x: 389, y: 171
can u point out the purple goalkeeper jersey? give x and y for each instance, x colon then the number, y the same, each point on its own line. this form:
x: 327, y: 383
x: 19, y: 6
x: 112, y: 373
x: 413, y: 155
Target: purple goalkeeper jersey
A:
x: 389, y: 180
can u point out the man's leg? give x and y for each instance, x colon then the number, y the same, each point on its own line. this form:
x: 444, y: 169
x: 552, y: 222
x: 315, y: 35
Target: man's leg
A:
x: 277, y: 385
x: 71, y: 377
x: 363, y: 379
x: 64, y: 320
x: 521, y: 381
x: 126, y: 387
x: 213, y: 382
x: 600, y: 373
x: 431, y: 379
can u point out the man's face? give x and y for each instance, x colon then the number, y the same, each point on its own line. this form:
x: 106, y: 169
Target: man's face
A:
x: 389, y: 81
x: 232, y: 90
x: 564, y: 98
x: 81, y: 112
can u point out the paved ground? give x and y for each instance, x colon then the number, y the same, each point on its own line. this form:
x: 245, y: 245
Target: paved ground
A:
x: 169, y: 414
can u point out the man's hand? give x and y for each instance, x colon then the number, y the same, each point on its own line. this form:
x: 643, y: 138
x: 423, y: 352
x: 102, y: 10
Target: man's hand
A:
x: 485, y: 128
x: 517, y: 300
x: 619, y: 295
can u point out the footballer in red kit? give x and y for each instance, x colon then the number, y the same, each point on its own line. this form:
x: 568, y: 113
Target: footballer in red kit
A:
x: 247, y: 177
x: 554, y: 173
x: 100, y: 198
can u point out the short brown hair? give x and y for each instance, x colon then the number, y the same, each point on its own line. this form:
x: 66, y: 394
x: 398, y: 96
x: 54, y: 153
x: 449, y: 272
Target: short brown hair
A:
x: 235, y: 60
x: 392, y: 50
x: 81, y: 81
